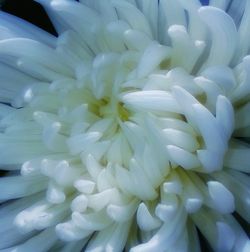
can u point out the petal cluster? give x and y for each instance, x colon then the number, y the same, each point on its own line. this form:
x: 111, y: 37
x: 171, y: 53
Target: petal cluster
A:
x: 129, y: 130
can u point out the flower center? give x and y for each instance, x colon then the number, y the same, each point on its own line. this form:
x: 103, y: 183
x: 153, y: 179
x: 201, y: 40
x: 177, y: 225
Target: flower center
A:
x: 113, y: 108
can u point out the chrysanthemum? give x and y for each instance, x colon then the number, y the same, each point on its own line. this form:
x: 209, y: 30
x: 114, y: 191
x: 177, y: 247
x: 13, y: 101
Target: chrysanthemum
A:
x: 128, y: 130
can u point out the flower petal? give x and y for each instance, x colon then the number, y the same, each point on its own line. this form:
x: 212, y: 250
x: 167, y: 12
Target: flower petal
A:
x: 222, y: 28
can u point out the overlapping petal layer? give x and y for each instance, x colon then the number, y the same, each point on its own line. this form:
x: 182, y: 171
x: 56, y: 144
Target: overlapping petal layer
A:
x: 128, y: 130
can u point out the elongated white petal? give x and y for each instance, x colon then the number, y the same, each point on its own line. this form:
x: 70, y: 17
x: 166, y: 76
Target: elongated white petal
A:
x: 158, y: 146
x: 18, y: 186
x: 64, y: 174
x: 78, y: 143
x: 181, y: 139
x: 193, y: 238
x: 241, y: 120
x: 210, y: 160
x: 154, y: 175
x: 124, y: 179
x: 215, y: 229
x: 238, y: 159
x: 223, y: 76
x: 100, y: 200
x: 180, y: 77
x: 67, y: 15
x: 239, y: 189
x: 121, y: 233
x: 93, y: 167
x: 115, y: 35
x: 146, y: 189
x: 165, y: 236
x: 37, y: 242
x: 153, y: 100
x: 79, y: 204
x: 186, y: 52
x: 134, y: 135
x: 166, y: 211
x: 173, y: 12
x: 39, y: 219
x: 17, y: 153
x: 93, y: 221
x: 132, y: 15
x: 74, y: 246
x: 191, y: 196
x: 84, y: 186
x: 107, y: 10
x: 222, y: 197
x: 225, y: 230
x: 196, y: 27
x: 182, y: 157
x: 122, y: 213
x: 152, y: 57
x: 208, y: 127
x: 113, y: 239
x: 223, y: 29
x: 150, y: 10
x: 37, y: 70
x: 236, y: 10
x: 24, y: 29
x: 34, y: 50
x: 68, y: 231
x: 244, y: 31
x: 136, y: 40
x: 242, y: 89
x: 145, y: 219
x: 185, y: 100
x: 55, y: 193
x: 225, y: 116
x: 212, y: 91
x: 173, y: 184
x: 222, y: 4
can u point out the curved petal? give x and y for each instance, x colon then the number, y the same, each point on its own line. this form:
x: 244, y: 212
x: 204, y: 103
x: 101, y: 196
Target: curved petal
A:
x: 222, y: 28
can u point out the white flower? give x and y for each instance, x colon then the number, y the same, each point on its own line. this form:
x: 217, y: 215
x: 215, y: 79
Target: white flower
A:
x: 130, y: 129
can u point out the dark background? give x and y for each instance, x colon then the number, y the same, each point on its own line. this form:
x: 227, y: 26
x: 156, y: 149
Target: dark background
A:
x: 30, y: 11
